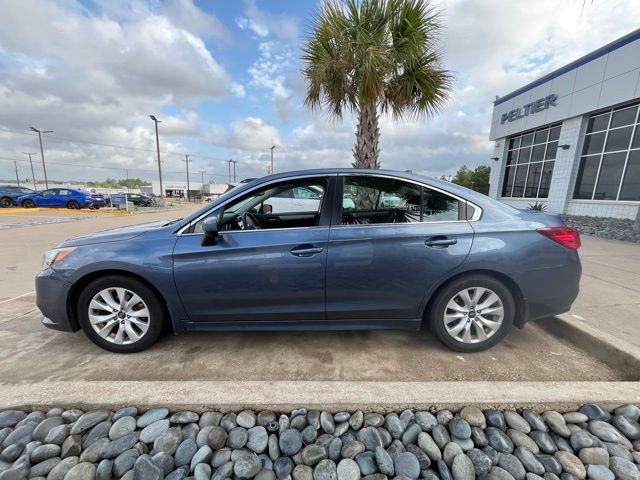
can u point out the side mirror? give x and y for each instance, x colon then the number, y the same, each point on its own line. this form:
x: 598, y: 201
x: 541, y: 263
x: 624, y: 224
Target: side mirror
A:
x: 266, y: 208
x: 210, y: 228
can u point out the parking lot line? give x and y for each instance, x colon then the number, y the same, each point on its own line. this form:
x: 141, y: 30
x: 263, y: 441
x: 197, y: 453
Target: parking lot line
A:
x: 19, y: 296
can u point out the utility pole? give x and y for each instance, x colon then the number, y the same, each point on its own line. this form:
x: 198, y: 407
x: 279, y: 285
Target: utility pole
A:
x: 186, y: 161
x: 127, y: 172
x: 156, y: 121
x: 202, y: 177
x: 44, y: 167
x: 229, y: 164
x: 234, y: 170
x: 15, y: 163
x: 272, y: 148
x: 33, y: 175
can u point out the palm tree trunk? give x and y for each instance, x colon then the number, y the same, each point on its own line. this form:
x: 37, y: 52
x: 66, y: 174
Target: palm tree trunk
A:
x: 366, y: 151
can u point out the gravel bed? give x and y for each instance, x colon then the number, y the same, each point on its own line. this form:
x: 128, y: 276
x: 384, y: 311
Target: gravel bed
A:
x: 604, y: 227
x: 591, y: 442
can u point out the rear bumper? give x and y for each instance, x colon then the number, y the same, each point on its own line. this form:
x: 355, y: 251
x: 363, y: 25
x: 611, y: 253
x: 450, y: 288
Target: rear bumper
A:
x: 551, y: 291
x: 52, y: 292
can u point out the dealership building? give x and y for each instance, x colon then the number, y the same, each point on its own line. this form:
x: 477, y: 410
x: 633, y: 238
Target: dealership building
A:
x: 571, y: 139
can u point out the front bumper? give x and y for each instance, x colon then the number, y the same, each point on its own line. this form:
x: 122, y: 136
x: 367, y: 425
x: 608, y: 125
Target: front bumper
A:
x: 52, y: 292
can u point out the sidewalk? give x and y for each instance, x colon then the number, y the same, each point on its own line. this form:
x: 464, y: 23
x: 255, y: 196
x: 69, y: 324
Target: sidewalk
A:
x: 610, y: 289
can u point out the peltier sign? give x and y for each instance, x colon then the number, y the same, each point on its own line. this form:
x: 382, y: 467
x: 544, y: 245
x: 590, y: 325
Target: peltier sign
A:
x: 533, y: 107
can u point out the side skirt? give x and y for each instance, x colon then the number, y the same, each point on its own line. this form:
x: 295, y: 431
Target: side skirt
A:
x: 307, y: 325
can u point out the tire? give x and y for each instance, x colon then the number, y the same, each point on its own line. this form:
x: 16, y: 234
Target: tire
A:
x: 475, y: 324
x: 73, y: 205
x: 28, y: 203
x: 6, y: 202
x: 104, y: 290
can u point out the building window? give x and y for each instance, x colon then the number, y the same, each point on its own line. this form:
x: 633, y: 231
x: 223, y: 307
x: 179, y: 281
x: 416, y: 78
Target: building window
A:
x: 610, y: 163
x: 530, y: 160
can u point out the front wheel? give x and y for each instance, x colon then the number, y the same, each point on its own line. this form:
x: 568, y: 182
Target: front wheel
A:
x: 73, y: 205
x: 472, y: 313
x: 120, y: 314
x: 28, y: 203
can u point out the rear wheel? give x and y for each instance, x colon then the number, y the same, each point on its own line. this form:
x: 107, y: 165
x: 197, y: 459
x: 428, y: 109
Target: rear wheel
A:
x: 6, y: 202
x: 73, y: 205
x: 472, y: 313
x: 28, y: 203
x: 120, y: 314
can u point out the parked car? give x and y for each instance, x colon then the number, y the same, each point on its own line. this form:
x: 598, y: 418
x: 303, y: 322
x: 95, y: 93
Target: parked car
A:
x: 444, y: 257
x: 9, y: 195
x: 62, y: 197
x: 139, y: 200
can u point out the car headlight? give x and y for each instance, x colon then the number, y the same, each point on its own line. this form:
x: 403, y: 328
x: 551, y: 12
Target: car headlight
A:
x: 54, y: 256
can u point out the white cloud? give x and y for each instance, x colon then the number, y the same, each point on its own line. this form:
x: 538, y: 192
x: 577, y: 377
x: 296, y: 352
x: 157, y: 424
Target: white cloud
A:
x: 186, y: 15
x: 271, y: 68
x: 238, y: 90
x: 97, y: 77
x: 252, y: 133
x: 263, y: 23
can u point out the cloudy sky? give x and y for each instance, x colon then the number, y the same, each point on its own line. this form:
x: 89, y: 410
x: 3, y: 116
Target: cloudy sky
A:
x: 224, y: 78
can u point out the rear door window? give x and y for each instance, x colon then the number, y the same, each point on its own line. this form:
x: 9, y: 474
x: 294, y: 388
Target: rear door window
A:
x: 384, y: 200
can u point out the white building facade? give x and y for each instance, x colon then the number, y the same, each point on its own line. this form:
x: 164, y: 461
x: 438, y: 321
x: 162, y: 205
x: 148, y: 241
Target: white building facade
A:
x: 571, y: 140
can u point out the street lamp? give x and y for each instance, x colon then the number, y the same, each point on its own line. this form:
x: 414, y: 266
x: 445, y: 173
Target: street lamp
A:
x: 229, y: 164
x: 272, y: 148
x: 234, y: 170
x: 186, y: 161
x: 156, y: 121
x: 44, y: 167
x: 33, y: 175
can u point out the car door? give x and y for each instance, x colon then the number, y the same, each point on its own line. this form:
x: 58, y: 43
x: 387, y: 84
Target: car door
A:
x: 46, y: 198
x: 274, y: 274
x: 389, y: 245
x: 61, y: 197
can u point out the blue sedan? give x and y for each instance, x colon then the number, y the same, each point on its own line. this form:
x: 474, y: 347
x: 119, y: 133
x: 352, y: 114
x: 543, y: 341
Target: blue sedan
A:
x: 404, y: 252
x: 62, y: 197
x: 9, y: 195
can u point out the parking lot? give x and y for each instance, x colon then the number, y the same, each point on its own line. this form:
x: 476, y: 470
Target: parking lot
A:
x: 30, y: 353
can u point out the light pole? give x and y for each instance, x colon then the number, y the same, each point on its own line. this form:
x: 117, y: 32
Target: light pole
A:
x: 15, y: 163
x: 186, y: 161
x: 272, y: 148
x: 229, y: 164
x: 234, y: 170
x: 44, y: 167
x: 156, y: 121
x: 33, y: 175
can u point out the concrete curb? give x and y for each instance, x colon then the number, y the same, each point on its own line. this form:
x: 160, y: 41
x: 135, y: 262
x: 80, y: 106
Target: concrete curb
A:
x: 330, y: 396
x: 597, y: 343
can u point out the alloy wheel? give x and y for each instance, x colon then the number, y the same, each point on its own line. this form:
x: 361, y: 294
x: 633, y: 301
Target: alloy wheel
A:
x: 119, y: 315
x: 473, y: 315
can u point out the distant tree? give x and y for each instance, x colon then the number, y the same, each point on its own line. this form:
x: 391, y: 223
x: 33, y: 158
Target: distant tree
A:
x: 476, y: 179
x: 115, y: 183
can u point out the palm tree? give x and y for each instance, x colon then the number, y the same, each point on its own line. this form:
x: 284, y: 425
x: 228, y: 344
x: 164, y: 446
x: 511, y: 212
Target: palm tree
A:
x: 374, y: 57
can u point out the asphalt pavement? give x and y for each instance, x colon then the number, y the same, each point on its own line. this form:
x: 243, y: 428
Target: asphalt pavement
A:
x: 33, y: 355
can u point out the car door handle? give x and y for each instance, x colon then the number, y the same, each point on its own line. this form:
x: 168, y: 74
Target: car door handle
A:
x: 305, y: 251
x: 440, y: 242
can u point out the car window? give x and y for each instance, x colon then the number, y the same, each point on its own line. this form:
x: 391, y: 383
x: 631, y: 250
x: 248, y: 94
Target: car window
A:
x: 270, y: 207
x: 49, y: 193
x: 26, y: 191
x: 63, y: 191
x: 382, y: 200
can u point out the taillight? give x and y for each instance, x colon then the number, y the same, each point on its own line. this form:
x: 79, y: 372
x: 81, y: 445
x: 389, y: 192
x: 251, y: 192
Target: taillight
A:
x: 88, y: 197
x: 566, y: 236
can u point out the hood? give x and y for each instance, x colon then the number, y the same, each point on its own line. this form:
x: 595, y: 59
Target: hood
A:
x: 115, y: 234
